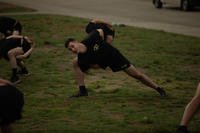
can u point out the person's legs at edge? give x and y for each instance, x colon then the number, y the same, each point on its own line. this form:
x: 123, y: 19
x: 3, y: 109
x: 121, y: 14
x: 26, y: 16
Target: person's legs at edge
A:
x: 133, y: 72
x: 190, y: 110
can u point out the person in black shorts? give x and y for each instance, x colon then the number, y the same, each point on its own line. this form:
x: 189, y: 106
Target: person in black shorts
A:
x: 191, y: 108
x: 93, y: 51
x: 108, y: 29
x: 10, y: 26
x: 11, y: 104
x: 15, y: 48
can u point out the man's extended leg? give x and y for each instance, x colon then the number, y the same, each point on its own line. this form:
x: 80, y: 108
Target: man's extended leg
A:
x: 79, y: 75
x: 133, y: 72
x: 190, y: 110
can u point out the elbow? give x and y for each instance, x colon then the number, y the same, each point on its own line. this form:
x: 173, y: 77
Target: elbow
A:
x: 93, y: 21
x: 101, y: 33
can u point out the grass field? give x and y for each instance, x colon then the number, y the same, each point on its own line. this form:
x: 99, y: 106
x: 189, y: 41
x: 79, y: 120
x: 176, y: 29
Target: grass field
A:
x: 116, y: 102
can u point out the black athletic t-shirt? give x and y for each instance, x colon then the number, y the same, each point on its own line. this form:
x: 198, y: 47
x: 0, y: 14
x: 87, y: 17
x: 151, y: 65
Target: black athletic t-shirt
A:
x: 92, y: 42
x: 101, y: 53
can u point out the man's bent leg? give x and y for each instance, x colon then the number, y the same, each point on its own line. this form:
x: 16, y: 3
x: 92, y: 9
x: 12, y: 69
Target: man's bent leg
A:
x: 12, y: 58
x: 23, y: 71
x: 79, y: 75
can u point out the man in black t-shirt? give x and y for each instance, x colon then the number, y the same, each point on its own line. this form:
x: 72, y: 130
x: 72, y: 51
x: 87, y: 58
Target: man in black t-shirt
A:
x: 15, y: 48
x: 9, y: 26
x: 93, y: 51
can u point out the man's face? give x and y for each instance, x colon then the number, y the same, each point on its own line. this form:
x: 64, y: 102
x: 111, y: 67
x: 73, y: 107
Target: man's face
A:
x: 73, y: 46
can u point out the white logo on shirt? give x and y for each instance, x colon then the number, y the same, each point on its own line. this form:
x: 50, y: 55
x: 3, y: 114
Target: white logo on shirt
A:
x: 96, y: 47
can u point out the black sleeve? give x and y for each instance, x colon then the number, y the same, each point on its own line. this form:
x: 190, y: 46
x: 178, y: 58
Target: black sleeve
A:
x: 90, y: 27
x: 91, y: 38
x: 18, y: 27
x: 93, y: 26
x: 107, y: 30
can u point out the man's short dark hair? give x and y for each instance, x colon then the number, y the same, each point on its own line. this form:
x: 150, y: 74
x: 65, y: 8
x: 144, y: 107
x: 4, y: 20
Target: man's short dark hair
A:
x: 68, y: 41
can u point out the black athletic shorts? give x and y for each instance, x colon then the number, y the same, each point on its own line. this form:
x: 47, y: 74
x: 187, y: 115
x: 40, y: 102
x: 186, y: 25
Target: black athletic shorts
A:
x: 8, y: 44
x: 3, y: 53
x: 107, y: 56
x: 11, y: 104
x: 114, y: 60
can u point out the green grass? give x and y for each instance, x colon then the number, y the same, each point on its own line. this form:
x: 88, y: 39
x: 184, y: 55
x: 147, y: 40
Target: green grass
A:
x: 116, y: 102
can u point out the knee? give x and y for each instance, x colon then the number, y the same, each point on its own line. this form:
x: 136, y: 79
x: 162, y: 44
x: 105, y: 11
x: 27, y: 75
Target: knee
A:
x: 10, y: 54
x: 75, y: 63
x: 133, y: 72
x: 197, y: 98
x: 197, y: 95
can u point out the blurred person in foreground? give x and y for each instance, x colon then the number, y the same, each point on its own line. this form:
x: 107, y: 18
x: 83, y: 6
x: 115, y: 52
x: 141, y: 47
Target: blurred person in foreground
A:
x: 11, y: 104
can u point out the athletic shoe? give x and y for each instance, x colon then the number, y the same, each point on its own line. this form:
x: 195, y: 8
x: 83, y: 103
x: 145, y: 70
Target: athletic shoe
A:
x: 182, y: 129
x: 79, y: 94
x: 23, y: 72
x: 15, y: 79
x: 161, y: 91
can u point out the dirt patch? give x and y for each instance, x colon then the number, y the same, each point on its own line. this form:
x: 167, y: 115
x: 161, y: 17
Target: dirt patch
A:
x: 106, y: 81
x: 47, y: 48
x: 115, y: 116
x: 192, y: 68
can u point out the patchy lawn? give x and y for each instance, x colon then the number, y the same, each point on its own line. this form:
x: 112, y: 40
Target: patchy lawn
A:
x: 116, y: 103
